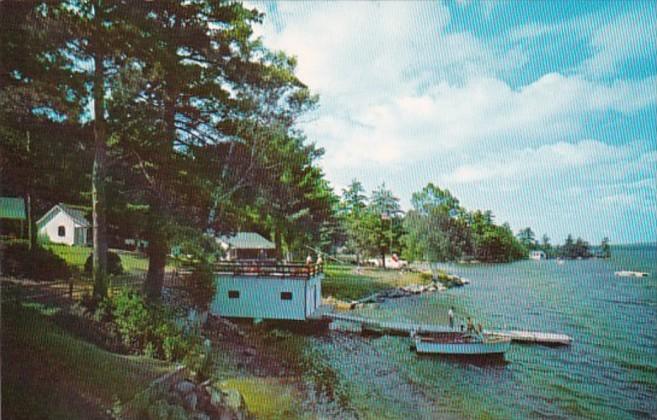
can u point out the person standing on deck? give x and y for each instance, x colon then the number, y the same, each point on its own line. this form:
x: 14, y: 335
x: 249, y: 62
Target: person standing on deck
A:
x: 309, y: 260
x: 470, y: 326
x: 450, y: 314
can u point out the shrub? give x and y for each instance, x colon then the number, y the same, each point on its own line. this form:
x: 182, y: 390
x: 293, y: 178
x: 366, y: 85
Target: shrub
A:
x: 202, y: 286
x: 37, y: 263
x: 114, y: 265
x: 148, y: 329
x: 132, y: 318
x: 199, y: 361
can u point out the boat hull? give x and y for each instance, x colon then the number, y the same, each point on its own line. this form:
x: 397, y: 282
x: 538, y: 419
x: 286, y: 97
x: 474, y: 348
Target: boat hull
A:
x: 498, y: 347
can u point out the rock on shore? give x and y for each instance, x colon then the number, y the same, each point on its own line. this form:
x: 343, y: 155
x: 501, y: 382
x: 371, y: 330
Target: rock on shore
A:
x: 185, y: 399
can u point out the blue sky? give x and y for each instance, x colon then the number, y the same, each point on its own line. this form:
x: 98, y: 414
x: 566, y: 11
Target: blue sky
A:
x: 543, y: 112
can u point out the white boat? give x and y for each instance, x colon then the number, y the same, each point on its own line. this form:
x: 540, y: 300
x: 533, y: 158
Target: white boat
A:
x: 631, y: 274
x: 462, y: 345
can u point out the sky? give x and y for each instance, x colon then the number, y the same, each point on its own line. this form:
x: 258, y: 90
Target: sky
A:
x: 543, y: 112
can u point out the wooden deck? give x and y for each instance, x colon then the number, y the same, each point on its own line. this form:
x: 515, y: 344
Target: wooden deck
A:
x: 359, y: 324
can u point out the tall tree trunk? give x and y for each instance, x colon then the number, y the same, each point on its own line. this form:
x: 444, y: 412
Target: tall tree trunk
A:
x: 29, y: 213
x: 278, y: 243
x: 383, y: 259
x: 158, y: 246
x: 157, y: 258
x: 27, y: 199
x: 99, y: 173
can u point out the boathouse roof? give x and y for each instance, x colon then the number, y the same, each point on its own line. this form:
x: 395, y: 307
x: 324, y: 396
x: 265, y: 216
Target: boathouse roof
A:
x: 245, y: 240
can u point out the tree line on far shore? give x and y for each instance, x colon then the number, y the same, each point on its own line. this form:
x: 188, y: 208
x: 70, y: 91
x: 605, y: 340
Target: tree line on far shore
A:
x: 570, y: 249
x: 437, y: 229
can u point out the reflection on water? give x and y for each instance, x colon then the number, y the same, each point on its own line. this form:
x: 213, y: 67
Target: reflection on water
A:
x: 610, y: 369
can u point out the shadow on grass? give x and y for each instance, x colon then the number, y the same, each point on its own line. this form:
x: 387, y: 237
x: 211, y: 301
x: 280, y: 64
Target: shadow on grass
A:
x: 48, y: 373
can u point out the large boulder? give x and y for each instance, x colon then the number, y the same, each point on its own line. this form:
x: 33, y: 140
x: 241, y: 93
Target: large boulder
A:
x: 233, y: 400
x: 191, y: 401
x: 184, y: 387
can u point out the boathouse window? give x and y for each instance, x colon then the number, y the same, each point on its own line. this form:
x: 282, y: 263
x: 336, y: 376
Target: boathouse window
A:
x: 286, y: 295
x: 61, y: 231
x: 233, y: 294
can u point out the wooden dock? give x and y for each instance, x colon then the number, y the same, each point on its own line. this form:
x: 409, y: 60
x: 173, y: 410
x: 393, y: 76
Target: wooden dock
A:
x: 359, y: 324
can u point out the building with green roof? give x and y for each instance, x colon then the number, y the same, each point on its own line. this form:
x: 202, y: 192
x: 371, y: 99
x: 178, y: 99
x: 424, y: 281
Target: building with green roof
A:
x: 12, y: 208
x: 12, y: 216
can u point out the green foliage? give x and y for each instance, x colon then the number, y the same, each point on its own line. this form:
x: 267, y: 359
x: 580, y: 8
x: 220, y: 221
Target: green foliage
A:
x: 439, y: 229
x: 527, y: 238
x: 374, y: 228
x: 199, y: 361
x: 148, y: 328
x: 37, y: 263
x: 572, y: 249
x: 202, y: 286
x: 605, y: 249
x: 497, y: 244
x: 433, y: 235
x: 432, y: 197
x: 353, y: 197
x: 114, y: 265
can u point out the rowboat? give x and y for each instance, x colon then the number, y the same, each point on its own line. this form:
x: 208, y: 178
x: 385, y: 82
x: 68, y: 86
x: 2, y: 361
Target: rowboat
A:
x: 458, y: 344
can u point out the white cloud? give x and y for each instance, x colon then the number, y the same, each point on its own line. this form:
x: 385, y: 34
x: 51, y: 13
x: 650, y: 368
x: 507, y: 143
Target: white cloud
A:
x: 358, y: 53
x: 483, y: 114
x: 405, y: 98
x: 629, y: 36
x: 551, y: 160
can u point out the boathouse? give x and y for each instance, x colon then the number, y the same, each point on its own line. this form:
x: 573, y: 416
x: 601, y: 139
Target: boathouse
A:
x: 267, y: 290
x: 246, y: 246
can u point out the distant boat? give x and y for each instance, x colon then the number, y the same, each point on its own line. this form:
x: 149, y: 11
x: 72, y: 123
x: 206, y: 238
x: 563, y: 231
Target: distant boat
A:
x: 631, y: 274
x: 537, y: 255
x: 459, y: 344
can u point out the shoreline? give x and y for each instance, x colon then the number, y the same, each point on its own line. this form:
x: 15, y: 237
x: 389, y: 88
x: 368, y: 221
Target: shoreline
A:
x: 420, y: 282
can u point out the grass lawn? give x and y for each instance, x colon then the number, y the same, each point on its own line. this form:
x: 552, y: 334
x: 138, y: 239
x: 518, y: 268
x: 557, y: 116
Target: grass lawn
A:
x: 76, y: 256
x: 344, y: 283
x: 48, y: 373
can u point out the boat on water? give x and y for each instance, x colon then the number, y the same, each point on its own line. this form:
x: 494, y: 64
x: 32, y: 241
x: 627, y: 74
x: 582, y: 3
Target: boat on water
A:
x: 631, y: 274
x: 462, y: 344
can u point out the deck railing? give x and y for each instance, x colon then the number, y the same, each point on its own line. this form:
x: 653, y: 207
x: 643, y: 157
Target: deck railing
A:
x: 269, y: 269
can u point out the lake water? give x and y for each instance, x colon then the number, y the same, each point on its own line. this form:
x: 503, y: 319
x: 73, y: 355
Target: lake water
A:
x: 610, y: 370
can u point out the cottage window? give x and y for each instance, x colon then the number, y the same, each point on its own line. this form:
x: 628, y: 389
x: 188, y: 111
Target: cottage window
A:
x: 61, y: 231
x: 286, y: 295
x: 233, y: 294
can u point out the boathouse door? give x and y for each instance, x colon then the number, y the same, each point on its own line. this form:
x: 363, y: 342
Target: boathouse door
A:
x: 312, y: 300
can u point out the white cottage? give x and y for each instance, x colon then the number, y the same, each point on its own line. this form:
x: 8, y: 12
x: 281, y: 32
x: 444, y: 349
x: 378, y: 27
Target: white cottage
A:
x: 267, y: 291
x: 64, y: 224
x: 537, y: 255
